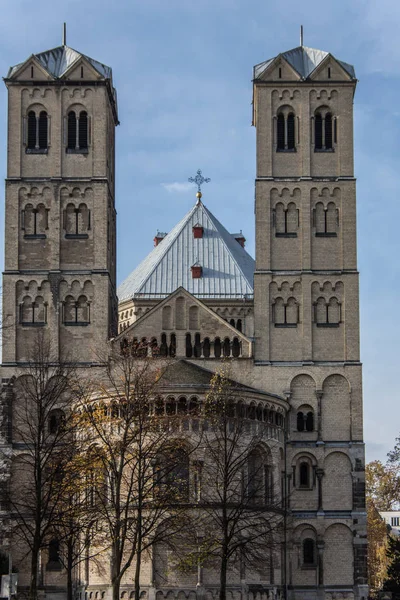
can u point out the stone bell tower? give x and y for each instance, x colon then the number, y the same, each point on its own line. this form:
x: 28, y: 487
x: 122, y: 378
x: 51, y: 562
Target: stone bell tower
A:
x: 60, y: 254
x: 306, y: 308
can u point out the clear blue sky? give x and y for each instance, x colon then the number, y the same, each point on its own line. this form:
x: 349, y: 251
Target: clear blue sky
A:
x: 183, y: 72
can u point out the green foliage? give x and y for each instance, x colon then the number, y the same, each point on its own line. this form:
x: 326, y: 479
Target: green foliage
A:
x: 392, y: 582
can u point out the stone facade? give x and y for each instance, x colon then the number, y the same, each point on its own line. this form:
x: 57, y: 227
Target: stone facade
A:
x: 298, y: 339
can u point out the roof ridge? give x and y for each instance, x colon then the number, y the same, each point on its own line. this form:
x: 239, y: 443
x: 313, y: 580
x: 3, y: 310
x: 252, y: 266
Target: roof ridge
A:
x: 167, y: 246
x: 210, y: 214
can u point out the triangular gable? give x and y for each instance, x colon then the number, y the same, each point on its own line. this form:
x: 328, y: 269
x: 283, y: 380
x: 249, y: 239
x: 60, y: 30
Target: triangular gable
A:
x: 338, y: 72
x: 150, y: 315
x: 227, y: 269
x: 23, y: 71
x: 73, y: 72
x: 271, y: 72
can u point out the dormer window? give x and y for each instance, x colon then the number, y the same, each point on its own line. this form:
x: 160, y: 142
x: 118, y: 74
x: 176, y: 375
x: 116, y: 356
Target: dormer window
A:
x: 197, y: 271
x: 198, y: 231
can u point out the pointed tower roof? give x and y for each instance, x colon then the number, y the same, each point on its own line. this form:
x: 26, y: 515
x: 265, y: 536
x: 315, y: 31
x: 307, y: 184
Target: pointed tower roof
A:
x: 226, y: 268
x: 304, y: 60
x: 58, y: 60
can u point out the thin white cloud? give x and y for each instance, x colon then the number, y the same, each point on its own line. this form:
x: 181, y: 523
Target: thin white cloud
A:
x: 177, y: 187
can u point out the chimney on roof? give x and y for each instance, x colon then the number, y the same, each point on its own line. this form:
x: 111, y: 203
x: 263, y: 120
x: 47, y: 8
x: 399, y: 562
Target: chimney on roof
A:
x: 197, y: 270
x: 239, y: 237
x: 197, y: 231
x: 160, y: 235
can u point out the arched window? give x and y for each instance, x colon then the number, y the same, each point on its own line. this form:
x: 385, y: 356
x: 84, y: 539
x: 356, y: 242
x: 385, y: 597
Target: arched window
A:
x: 304, y: 475
x: 310, y: 421
x: 305, y: 421
x: 54, y: 561
x: 286, y: 130
x: 37, y: 135
x: 260, y: 478
x: 77, y: 221
x: 325, y: 220
x: 83, y: 130
x: 78, y: 132
x: 42, y: 133
x: 285, y: 315
x: 300, y: 421
x: 172, y: 474
x: 197, y: 346
x: 76, y: 312
x: 163, y: 346
x: 286, y: 220
x: 194, y: 317
x: 56, y: 420
x: 172, y: 346
x: 281, y: 132
x: 217, y: 347
x: 180, y: 317
x: 206, y: 348
x: 328, y: 131
x: 239, y: 325
x: 31, y: 145
x: 235, y: 348
x: 227, y: 347
x: 290, y: 132
x: 318, y: 131
x: 167, y: 317
x: 324, y: 130
x: 33, y: 312
x: 189, y: 347
x: 34, y: 221
x: 327, y: 314
x: 308, y: 551
x: 71, y: 144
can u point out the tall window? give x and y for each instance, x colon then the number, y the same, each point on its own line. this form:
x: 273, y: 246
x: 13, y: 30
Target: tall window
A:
x: 286, y: 220
x: 76, y: 312
x: 33, y: 313
x: 34, y: 221
x: 324, y: 130
x: 285, y: 314
x: 77, y: 221
x: 325, y: 220
x: 308, y: 552
x: 286, y: 131
x: 37, y: 135
x: 305, y: 421
x: 304, y: 475
x: 327, y: 314
x: 78, y: 132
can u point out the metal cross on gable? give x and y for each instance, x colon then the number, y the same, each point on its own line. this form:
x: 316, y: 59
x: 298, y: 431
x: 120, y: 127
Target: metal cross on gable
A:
x: 199, y: 180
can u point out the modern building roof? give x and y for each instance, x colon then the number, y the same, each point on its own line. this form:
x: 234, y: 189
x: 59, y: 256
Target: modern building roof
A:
x: 227, y: 269
x: 58, y: 60
x: 304, y: 60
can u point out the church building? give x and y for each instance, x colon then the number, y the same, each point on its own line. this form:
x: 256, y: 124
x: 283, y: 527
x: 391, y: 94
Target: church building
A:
x: 287, y: 321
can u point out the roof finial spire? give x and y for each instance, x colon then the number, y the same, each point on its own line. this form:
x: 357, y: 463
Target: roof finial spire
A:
x: 64, y: 39
x: 301, y: 35
x: 199, y: 180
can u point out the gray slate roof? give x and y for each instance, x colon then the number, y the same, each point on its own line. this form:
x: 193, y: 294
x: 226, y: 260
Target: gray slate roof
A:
x: 58, y: 60
x: 227, y: 269
x: 304, y: 60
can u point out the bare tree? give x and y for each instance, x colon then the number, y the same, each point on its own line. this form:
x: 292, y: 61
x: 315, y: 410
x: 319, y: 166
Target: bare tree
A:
x: 239, y: 512
x: 135, y: 474
x: 41, y: 434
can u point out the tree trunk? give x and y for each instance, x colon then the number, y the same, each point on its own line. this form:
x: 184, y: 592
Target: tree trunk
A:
x: 69, y: 572
x: 222, y: 577
x: 34, y: 574
x: 115, y: 589
x: 137, y: 575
